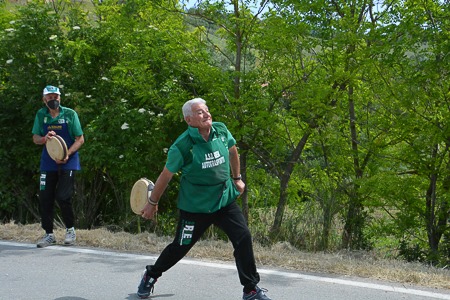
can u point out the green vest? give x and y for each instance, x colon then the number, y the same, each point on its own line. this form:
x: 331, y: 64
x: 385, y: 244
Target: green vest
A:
x: 205, y: 185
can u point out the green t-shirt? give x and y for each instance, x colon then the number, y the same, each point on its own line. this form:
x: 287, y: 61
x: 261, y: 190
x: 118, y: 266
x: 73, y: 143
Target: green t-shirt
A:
x: 66, y: 125
x: 67, y: 114
x: 205, y: 185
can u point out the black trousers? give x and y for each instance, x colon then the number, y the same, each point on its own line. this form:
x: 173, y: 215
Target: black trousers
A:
x: 191, y: 227
x: 56, y: 186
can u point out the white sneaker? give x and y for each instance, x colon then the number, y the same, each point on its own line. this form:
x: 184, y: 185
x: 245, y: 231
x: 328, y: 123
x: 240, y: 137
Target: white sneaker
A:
x: 47, y: 240
x: 70, y: 236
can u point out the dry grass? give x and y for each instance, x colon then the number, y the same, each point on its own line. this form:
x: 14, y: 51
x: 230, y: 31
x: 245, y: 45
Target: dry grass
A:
x: 281, y: 255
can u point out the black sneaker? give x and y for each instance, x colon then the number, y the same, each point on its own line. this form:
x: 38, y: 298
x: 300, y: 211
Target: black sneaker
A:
x: 146, y: 286
x: 256, y: 294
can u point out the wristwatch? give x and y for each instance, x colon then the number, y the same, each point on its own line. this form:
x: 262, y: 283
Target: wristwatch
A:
x: 237, y: 178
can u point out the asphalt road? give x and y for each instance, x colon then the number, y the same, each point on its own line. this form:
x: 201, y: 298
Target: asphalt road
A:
x: 74, y: 273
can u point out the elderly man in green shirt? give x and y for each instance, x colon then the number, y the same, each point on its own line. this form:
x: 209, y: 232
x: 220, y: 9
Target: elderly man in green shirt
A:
x: 205, y: 154
x: 57, y: 178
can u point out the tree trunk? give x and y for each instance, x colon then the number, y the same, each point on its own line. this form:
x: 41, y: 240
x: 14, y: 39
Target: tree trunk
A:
x: 326, y: 227
x: 244, y: 196
x: 354, y: 223
x: 430, y: 216
x: 284, y: 182
x: 436, y: 215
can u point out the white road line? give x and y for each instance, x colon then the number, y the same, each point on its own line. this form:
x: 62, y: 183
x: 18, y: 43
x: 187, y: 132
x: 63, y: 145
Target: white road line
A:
x: 374, y: 286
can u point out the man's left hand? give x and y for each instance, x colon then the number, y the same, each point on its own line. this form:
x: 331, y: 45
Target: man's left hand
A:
x: 240, y: 185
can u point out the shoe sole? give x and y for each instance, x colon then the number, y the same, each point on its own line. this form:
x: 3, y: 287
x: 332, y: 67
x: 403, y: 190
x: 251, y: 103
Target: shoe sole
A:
x: 46, y: 245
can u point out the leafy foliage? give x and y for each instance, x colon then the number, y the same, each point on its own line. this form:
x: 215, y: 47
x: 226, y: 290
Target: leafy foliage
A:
x: 340, y: 111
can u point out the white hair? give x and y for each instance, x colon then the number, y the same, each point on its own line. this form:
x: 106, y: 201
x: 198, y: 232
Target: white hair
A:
x: 187, y: 107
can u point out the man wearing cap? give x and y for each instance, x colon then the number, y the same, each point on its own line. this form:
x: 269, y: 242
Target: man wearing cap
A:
x: 57, y: 177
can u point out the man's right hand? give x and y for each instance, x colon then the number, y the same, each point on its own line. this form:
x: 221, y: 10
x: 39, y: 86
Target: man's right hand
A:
x: 149, y: 211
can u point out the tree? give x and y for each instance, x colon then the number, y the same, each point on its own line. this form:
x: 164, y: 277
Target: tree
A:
x: 420, y: 40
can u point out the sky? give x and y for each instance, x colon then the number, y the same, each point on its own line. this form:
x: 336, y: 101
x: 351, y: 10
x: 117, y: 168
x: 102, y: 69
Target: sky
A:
x: 191, y: 3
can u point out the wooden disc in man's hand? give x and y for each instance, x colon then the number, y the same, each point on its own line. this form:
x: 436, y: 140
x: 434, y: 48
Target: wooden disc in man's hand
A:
x: 140, y: 193
x: 56, y: 148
